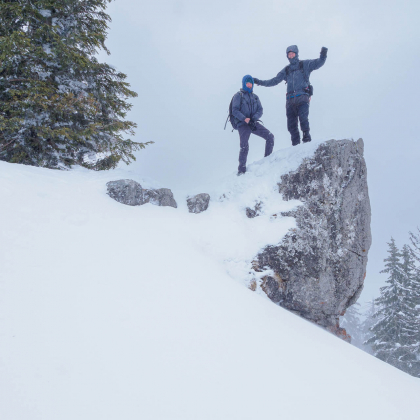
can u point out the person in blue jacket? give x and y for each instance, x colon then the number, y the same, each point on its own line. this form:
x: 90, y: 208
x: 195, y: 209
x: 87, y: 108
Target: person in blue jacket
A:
x: 298, y: 93
x: 247, y: 110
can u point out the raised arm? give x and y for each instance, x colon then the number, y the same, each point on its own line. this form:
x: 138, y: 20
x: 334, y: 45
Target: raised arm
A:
x: 318, y: 62
x: 236, y: 104
x: 272, y: 82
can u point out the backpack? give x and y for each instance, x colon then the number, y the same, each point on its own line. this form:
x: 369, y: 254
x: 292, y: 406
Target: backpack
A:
x: 231, y: 117
x: 310, y: 89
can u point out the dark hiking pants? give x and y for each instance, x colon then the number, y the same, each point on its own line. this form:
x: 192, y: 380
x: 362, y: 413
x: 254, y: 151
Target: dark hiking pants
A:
x: 244, y: 133
x: 297, y: 107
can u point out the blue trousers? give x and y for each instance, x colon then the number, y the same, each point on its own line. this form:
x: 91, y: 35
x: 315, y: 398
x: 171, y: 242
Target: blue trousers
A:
x: 297, y: 108
x: 244, y: 134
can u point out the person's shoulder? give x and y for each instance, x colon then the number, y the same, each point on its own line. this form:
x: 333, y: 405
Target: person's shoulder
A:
x: 255, y: 95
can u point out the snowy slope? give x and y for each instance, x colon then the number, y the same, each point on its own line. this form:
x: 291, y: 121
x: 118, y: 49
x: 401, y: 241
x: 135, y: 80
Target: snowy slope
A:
x: 114, y: 312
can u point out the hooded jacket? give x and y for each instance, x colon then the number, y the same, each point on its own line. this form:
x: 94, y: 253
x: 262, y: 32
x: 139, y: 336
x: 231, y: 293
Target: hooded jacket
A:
x: 297, y: 79
x: 249, y: 106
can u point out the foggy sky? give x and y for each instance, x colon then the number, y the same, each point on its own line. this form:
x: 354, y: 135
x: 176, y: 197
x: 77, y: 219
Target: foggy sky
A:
x: 186, y: 59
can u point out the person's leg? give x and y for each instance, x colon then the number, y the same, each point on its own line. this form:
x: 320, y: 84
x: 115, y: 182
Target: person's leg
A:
x: 292, y: 121
x: 261, y: 131
x: 244, y: 133
x: 303, y: 111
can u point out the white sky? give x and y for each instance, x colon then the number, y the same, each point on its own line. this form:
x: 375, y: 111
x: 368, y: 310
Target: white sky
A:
x: 186, y: 59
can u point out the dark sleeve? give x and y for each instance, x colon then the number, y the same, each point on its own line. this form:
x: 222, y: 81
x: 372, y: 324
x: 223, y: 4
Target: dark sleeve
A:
x: 258, y: 114
x: 236, y: 111
x: 312, y: 65
x: 272, y: 82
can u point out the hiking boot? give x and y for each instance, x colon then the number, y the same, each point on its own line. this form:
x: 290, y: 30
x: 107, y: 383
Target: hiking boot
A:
x: 295, y: 139
x: 306, y: 137
x: 240, y: 173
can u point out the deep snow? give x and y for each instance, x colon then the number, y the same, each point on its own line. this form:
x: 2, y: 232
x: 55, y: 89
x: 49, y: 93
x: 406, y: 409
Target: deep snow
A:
x: 114, y: 312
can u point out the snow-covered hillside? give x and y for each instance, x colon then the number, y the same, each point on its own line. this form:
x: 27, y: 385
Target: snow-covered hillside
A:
x: 114, y: 312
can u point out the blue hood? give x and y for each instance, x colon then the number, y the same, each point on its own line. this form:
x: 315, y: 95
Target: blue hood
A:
x: 293, y: 48
x: 245, y: 80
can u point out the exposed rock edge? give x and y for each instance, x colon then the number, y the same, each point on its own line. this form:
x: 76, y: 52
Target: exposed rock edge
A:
x: 319, y: 267
x: 131, y: 193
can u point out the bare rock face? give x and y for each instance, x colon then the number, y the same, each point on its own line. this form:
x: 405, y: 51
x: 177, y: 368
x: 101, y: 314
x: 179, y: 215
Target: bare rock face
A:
x: 131, y: 193
x: 198, y: 203
x: 319, y: 267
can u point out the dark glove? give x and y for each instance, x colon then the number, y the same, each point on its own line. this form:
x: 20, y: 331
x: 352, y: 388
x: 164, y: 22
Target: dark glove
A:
x: 324, y: 52
x: 256, y: 81
x: 252, y: 125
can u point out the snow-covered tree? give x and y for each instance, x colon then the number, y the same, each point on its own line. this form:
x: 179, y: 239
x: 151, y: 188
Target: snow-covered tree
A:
x: 351, y: 321
x: 394, y: 333
x: 58, y: 104
x: 411, y: 328
x: 367, y: 324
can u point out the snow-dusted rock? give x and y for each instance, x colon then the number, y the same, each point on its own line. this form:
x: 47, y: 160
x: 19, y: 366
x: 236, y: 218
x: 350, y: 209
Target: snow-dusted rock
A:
x: 198, y: 203
x: 127, y: 191
x: 160, y: 197
x: 319, y: 267
x: 255, y: 212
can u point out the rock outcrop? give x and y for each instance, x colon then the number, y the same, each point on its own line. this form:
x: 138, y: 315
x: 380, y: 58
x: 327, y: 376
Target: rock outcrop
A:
x: 318, y: 269
x: 198, y: 203
x: 131, y: 193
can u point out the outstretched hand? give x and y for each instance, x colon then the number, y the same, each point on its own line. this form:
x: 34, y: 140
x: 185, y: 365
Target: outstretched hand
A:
x: 256, y: 81
x: 324, y: 51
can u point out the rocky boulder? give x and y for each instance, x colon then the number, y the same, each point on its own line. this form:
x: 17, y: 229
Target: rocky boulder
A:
x: 198, y: 203
x: 318, y: 268
x: 126, y: 191
x: 160, y: 197
x: 131, y: 193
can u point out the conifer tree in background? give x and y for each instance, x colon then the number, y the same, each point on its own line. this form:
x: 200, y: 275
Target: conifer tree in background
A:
x: 58, y: 104
x: 415, y: 252
x: 411, y: 327
x: 352, y: 324
x: 367, y: 324
x: 393, y: 332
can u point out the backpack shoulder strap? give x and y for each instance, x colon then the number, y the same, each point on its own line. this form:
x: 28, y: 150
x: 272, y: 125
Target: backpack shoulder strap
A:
x: 300, y: 64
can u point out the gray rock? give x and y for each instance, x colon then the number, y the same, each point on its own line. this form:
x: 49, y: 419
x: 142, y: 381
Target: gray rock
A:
x: 319, y: 267
x: 198, y: 203
x: 161, y: 197
x: 255, y: 212
x: 127, y: 191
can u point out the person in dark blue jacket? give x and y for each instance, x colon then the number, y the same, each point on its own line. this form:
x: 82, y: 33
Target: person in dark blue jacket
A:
x: 247, y: 110
x: 296, y: 76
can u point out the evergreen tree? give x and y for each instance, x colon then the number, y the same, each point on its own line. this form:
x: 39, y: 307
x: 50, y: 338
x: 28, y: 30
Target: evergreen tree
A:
x: 351, y: 322
x: 415, y: 253
x: 58, y: 104
x: 367, y: 324
x: 394, y: 330
x: 411, y: 328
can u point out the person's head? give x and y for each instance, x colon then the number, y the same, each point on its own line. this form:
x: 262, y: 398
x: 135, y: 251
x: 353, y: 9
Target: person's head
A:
x: 247, y: 83
x: 292, y: 53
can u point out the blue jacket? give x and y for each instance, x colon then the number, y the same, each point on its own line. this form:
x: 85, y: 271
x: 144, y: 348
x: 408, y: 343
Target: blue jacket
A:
x: 249, y: 107
x: 246, y: 104
x: 297, y: 80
